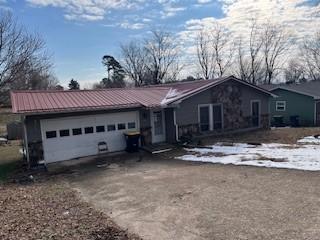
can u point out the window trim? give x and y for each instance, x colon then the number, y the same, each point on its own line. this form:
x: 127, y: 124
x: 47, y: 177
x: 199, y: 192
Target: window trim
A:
x: 51, y: 131
x: 135, y: 125
x: 64, y: 135
x: 88, y: 128
x: 210, y: 116
x: 125, y: 127
x: 115, y: 127
x: 77, y: 134
x: 211, y: 122
x: 251, y: 110
x: 284, y: 106
x: 102, y: 126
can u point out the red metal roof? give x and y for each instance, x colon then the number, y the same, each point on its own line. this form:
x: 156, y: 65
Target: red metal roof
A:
x: 86, y: 100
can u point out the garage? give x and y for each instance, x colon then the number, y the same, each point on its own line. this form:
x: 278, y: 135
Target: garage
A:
x: 74, y: 137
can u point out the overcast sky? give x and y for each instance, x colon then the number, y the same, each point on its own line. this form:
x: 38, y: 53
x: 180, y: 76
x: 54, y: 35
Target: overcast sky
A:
x: 79, y: 32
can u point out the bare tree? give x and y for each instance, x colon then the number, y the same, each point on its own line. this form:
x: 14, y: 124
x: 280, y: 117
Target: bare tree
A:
x: 205, y: 55
x: 255, y: 44
x: 22, y: 55
x: 243, y: 69
x: 134, y: 62
x: 215, y: 51
x: 311, y: 56
x: 162, y: 54
x: 295, y: 72
x: 152, y: 61
x: 275, y: 42
x: 223, y: 49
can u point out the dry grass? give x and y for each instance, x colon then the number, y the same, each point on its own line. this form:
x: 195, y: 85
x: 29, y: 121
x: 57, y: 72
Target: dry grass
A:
x: 5, y: 117
x: 10, y: 152
x: 9, y: 157
x: 280, y: 135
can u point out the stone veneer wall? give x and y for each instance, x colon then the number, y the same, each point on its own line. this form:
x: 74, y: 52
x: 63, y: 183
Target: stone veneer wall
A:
x: 230, y: 95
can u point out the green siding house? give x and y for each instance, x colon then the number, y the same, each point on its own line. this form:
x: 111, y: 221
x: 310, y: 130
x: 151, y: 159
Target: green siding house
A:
x: 295, y: 104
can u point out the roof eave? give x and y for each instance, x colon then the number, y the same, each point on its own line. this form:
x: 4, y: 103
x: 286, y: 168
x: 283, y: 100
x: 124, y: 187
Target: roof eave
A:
x: 75, y: 110
x: 207, y: 86
x: 297, y: 91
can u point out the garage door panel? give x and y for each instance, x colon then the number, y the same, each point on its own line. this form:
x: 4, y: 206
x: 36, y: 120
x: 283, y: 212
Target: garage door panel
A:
x: 69, y: 147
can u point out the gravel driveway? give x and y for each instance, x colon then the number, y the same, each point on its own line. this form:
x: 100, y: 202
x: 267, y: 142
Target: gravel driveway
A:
x: 163, y: 198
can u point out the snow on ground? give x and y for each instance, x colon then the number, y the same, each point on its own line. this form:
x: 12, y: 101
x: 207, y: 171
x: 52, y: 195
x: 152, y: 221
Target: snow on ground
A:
x: 310, y: 140
x: 301, y: 157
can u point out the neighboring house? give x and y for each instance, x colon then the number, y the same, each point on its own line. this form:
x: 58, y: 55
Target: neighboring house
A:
x: 296, y: 104
x: 61, y: 125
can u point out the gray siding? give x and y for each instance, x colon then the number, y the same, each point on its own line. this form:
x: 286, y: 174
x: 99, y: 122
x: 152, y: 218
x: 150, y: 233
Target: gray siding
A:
x: 187, y: 112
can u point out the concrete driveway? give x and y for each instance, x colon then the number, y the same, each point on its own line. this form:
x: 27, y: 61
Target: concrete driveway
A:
x: 162, y: 198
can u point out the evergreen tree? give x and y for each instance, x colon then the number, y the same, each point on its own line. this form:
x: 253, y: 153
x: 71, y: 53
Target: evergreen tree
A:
x: 116, y: 74
x: 74, y: 85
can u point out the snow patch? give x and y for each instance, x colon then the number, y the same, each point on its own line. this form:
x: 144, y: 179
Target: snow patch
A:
x: 173, y: 93
x: 310, y: 139
x: 301, y: 157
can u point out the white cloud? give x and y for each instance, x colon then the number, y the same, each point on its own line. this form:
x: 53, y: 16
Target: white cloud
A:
x: 90, y: 10
x: 298, y: 17
x: 204, y: 1
x: 134, y: 26
x: 170, y: 9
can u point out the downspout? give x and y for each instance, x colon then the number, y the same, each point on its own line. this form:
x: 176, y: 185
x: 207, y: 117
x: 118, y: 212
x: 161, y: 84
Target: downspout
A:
x: 176, y: 125
x: 26, y: 140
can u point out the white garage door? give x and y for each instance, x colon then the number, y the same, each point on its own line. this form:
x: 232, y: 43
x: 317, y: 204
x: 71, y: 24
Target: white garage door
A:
x: 74, y: 137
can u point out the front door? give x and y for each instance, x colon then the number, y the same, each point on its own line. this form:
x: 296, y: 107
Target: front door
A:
x: 255, y: 113
x: 158, y: 126
x: 204, y: 118
x: 217, y: 116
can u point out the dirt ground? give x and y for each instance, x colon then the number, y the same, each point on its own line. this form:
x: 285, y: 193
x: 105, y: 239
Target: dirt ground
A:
x: 45, y: 208
x: 159, y: 197
x: 162, y: 198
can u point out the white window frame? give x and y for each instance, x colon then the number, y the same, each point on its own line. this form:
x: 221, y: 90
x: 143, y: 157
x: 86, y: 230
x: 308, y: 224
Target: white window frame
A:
x: 210, y: 116
x: 210, y: 105
x: 251, y: 109
x: 284, y: 106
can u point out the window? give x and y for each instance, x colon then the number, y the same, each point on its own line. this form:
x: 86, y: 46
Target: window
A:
x: 64, y: 133
x: 131, y: 125
x: 204, y: 118
x: 51, y: 134
x: 210, y: 117
x: 88, y: 130
x: 280, y: 105
x: 100, y: 129
x: 121, y: 126
x: 76, y: 131
x: 111, y: 127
